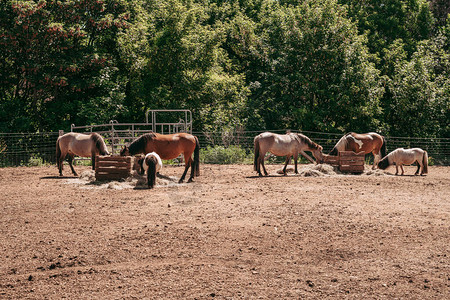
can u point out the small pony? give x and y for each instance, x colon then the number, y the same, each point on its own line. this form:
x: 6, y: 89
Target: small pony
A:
x: 357, y: 142
x: 401, y: 157
x: 74, y: 143
x: 152, y: 164
x: 290, y: 144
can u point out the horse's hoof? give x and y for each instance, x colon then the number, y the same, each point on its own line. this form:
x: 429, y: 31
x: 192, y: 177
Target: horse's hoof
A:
x: 180, y: 181
x: 190, y: 180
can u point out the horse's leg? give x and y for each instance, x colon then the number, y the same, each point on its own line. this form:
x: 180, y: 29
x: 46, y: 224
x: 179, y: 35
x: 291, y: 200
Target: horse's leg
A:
x: 401, y: 167
x: 295, y: 160
x: 288, y: 158
x: 262, y: 163
x: 376, y: 159
x: 418, y: 168
x: 192, y: 170
x: 93, y: 160
x: 396, y: 169
x: 61, y: 163
x: 187, y: 165
x: 70, y: 159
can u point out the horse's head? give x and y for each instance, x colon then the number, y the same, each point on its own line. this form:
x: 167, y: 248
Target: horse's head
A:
x: 125, y: 151
x: 384, y: 163
x: 318, y: 155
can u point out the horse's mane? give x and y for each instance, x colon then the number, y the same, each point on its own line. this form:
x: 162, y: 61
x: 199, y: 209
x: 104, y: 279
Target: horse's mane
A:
x: 138, y: 145
x: 308, y: 141
x: 99, y: 143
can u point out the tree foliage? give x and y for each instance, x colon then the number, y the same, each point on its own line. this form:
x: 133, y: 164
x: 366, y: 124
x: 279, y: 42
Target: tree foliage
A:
x: 333, y: 65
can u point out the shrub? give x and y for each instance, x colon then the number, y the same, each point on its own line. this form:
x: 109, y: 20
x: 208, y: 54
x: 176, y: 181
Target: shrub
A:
x: 221, y: 155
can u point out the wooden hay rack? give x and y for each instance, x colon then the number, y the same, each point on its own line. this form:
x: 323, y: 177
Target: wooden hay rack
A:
x: 347, y: 161
x: 112, y: 167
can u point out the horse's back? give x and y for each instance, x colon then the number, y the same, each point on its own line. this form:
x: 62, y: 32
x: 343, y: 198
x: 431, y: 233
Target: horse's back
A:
x: 277, y: 144
x: 76, y: 143
x: 407, y: 156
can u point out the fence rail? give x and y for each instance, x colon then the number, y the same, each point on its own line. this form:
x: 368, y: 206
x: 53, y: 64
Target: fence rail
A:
x: 21, y: 149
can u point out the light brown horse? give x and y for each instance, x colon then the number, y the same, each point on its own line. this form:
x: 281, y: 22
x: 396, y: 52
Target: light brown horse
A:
x: 169, y: 146
x: 74, y: 143
x: 290, y: 144
x: 400, y: 157
x: 368, y: 142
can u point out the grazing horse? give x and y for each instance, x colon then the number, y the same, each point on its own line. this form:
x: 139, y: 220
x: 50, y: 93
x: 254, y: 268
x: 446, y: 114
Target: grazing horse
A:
x: 368, y: 142
x: 401, y: 157
x: 290, y: 144
x: 169, y: 146
x: 152, y: 164
x: 80, y: 144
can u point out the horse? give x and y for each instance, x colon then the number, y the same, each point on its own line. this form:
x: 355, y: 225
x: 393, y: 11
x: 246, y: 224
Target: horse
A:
x: 401, y: 157
x: 357, y: 142
x: 151, y: 163
x: 169, y: 146
x: 80, y: 144
x: 290, y: 144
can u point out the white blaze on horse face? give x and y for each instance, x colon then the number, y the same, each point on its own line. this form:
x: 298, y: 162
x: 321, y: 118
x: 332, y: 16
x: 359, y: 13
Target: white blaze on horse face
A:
x: 360, y: 143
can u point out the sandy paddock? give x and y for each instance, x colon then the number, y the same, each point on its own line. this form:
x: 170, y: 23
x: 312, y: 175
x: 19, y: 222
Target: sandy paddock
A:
x: 228, y: 235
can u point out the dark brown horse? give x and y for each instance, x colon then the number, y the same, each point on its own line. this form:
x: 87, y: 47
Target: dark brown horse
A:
x: 368, y: 142
x: 169, y: 146
x: 74, y: 143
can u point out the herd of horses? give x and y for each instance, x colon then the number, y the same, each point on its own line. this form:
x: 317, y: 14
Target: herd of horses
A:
x: 157, y: 147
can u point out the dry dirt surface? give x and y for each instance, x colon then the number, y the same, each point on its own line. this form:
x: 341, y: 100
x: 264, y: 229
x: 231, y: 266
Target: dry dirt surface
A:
x: 228, y: 235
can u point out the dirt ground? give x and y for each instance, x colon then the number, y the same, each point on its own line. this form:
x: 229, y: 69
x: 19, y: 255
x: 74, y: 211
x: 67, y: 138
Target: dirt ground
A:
x: 228, y: 235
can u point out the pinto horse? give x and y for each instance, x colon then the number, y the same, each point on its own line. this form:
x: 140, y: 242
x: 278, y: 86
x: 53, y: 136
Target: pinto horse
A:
x: 290, y: 144
x: 152, y: 164
x: 74, y: 143
x: 401, y: 157
x: 368, y: 142
x: 169, y: 146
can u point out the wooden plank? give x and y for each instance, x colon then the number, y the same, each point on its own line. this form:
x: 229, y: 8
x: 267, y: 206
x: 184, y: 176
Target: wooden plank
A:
x: 112, y: 171
x: 126, y: 159
x: 350, y: 153
x: 354, y: 169
x: 352, y: 159
x: 105, y: 164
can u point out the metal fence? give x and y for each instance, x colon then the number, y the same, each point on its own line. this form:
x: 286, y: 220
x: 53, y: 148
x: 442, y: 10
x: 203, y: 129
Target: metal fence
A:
x: 22, y: 149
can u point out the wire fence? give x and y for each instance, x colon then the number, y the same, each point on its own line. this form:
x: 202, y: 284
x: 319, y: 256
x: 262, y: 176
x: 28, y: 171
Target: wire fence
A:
x: 25, y: 149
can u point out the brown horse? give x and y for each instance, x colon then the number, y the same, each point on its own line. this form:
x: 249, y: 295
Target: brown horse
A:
x: 74, y: 143
x: 290, y: 144
x: 169, y: 146
x: 368, y: 142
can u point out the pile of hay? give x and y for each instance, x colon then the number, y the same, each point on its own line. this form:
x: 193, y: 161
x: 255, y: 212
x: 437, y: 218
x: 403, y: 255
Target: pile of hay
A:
x: 318, y: 170
x: 134, y: 181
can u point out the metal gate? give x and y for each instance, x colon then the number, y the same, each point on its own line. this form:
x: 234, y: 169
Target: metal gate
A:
x: 117, y: 134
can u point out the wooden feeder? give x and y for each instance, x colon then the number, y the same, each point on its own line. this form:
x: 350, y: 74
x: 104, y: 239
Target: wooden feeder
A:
x: 351, y: 162
x: 347, y: 161
x: 112, y: 167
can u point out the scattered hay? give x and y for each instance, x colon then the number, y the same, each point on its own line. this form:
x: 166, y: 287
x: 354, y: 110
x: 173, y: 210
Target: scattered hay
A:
x: 312, y: 170
x: 376, y: 172
x: 317, y: 170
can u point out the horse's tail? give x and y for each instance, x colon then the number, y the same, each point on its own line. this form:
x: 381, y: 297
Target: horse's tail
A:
x: 425, y: 162
x: 99, y: 143
x: 151, y: 172
x: 255, y: 162
x: 58, y: 153
x: 383, y: 148
x: 196, y: 165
